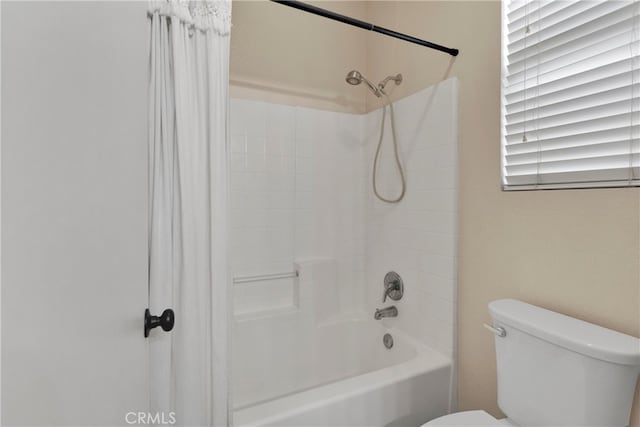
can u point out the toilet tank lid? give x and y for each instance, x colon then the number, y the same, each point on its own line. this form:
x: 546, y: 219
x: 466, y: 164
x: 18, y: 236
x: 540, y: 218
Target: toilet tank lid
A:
x: 573, y: 334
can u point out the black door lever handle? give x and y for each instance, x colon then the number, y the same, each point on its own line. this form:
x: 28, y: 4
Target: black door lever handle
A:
x: 165, y: 321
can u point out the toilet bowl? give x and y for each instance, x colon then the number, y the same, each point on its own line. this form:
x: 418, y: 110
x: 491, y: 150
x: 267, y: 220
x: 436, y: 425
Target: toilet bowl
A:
x: 468, y: 419
x: 542, y: 357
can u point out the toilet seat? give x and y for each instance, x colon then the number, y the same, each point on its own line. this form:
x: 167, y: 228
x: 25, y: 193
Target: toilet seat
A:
x: 468, y: 419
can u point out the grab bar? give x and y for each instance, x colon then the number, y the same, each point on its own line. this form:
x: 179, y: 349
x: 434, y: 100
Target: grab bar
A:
x: 262, y: 277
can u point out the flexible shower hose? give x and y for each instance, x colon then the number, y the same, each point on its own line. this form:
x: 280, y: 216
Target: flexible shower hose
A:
x: 395, y: 152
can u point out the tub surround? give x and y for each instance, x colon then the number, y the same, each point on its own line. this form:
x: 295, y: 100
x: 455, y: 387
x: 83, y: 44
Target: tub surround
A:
x: 417, y: 237
x: 301, y: 190
x: 301, y: 200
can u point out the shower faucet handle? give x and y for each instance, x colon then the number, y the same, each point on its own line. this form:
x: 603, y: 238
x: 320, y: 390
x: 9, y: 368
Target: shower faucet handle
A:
x: 393, y: 286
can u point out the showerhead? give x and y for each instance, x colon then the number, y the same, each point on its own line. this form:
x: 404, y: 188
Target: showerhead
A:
x: 354, y: 77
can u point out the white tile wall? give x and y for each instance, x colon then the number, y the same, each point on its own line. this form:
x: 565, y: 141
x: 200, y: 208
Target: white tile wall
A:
x: 417, y: 237
x: 301, y: 190
x: 262, y: 187
x: 297, y: 192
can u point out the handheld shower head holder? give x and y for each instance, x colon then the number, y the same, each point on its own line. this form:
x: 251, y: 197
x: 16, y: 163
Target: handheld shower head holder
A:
x: 397, y: 79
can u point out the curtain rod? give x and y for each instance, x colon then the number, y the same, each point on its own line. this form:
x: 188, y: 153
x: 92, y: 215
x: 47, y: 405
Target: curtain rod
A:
x: 361, y: 24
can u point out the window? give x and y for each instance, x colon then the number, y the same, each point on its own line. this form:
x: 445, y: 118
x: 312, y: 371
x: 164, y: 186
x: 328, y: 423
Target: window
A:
x: 570, y: 94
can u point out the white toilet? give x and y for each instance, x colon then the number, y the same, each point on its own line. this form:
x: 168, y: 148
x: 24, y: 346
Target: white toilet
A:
x: 554, y: 370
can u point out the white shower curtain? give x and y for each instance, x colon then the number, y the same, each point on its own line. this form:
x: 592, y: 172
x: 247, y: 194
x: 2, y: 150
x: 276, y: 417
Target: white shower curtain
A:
x: 188, y: 109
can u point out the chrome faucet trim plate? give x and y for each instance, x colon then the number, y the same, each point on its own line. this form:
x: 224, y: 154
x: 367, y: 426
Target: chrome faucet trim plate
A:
x: 393, y: 286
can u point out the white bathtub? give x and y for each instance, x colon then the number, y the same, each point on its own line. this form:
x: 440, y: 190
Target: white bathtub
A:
x: 340, y: 374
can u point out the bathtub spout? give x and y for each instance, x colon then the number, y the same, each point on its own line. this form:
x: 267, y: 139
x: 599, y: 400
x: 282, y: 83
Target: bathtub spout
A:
x: 385, y: 312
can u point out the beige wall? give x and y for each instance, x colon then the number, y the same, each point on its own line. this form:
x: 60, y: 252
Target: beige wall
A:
x: 284, y: 55
x: 574, y: 251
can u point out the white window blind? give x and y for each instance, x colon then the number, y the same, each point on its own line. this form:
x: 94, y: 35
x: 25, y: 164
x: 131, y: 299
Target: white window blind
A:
x: 571, y: 93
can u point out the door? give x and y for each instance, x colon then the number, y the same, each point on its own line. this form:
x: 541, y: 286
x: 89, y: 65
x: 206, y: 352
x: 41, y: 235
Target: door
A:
x: 74, y: 212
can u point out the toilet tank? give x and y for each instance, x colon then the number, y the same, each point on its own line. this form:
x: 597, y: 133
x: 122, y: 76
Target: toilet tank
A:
x: 554, y: 370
